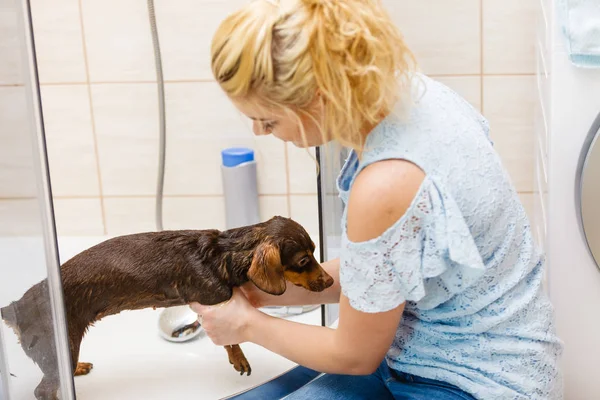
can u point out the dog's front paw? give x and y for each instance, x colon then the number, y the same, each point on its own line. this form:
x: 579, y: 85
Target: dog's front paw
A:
x: 83, y: 368
x: 242, y: 365
x: 238, y: 359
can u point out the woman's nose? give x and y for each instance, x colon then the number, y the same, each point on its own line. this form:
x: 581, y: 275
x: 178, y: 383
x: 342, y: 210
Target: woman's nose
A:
x: 258, y: 129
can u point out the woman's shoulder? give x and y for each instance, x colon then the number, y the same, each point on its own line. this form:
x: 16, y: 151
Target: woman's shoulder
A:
x: 431, y: 128
x: 442, y: 135
x: 381, y: 194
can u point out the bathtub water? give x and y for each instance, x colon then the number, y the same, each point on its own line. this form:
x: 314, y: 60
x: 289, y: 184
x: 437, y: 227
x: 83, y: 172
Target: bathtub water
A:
x: 131, y: 361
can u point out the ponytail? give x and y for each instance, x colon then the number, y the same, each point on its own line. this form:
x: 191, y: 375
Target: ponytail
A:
x: 349, y: 52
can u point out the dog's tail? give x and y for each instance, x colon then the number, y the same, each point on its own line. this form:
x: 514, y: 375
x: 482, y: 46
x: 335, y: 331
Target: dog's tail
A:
x: 9, y: 315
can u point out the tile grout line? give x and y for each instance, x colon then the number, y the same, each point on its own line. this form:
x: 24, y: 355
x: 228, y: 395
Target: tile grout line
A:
x: 182, y: 196
x: 475, y: 75
x: 177, y: 81
x: 150, y: 196
x: 18, y: 198
x: 199, y: 80
x: 172, y: 196
x: 92, y: 117
x: 287, y: 180
x: 481, y: 63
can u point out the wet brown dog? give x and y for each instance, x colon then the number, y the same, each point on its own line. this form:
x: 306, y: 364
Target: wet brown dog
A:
x: 162, y: 269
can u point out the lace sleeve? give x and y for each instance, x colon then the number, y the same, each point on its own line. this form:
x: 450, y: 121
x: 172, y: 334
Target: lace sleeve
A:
x: 426, y: 257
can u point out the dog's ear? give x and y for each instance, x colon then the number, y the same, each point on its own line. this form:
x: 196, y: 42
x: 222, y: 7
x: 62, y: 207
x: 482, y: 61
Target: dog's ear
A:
x: 266, y: 271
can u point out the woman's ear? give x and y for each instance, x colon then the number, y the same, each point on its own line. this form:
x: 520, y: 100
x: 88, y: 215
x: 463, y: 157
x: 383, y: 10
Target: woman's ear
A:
x: 266, y: 271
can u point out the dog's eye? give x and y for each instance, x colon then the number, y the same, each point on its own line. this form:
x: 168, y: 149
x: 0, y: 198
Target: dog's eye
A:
x: 304, y: 261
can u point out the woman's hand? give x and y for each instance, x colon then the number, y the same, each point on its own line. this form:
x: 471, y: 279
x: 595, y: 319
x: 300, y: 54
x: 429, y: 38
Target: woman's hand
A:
x: 257, y: 297
x: 227, y: 323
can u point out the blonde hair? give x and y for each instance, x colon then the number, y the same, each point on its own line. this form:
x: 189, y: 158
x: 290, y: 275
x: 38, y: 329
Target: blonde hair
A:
x: 348, y: 52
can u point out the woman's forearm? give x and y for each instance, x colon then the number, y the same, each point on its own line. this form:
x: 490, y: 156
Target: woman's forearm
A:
x: 356, y: 347
x: 297, y: 296
x: 314, y: 347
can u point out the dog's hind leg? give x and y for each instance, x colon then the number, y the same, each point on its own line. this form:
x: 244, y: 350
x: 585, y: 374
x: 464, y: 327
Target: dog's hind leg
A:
x: 238, y: 359
x: 79, y: 368
x: 47, y: 389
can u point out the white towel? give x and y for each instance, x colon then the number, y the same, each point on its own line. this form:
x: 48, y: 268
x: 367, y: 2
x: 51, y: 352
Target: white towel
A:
x: 580, y: 20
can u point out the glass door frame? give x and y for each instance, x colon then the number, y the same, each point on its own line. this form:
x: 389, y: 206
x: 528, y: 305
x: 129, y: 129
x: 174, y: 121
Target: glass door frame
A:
x: 44, y: 197
x: 330, y: 158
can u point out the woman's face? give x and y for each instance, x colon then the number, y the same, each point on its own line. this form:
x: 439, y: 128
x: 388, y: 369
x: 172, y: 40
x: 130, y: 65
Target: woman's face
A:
x: 276, y: 122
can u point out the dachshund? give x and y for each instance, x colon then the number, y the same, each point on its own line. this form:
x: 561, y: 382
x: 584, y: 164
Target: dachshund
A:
x: 162, y: 269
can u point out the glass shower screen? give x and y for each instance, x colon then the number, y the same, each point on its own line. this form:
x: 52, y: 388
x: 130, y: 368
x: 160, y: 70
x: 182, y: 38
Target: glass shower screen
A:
x: 28, y: 245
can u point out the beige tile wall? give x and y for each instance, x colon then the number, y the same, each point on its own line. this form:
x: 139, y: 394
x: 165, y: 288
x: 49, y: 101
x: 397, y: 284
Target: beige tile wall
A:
x: 100, y: 106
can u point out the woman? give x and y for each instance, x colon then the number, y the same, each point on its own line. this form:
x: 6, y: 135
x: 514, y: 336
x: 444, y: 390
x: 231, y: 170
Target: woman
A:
x: 439, y: 281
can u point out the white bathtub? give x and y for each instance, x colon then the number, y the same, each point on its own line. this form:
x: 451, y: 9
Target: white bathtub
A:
x: 131, y: 361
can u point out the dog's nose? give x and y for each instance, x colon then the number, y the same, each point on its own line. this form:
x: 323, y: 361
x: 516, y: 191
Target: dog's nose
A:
x: 328, y: 281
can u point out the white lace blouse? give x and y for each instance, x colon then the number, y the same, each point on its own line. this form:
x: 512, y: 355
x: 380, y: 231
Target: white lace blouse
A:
x: 462, y: 258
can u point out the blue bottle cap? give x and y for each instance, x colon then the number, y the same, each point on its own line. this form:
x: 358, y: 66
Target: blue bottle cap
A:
x: 235, y: 156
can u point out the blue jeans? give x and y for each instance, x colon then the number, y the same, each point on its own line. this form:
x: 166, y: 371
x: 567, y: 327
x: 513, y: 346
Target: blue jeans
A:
x: 384, y: 384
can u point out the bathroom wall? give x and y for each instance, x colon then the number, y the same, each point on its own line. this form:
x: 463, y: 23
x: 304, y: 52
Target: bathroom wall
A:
x: 100, y: 106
